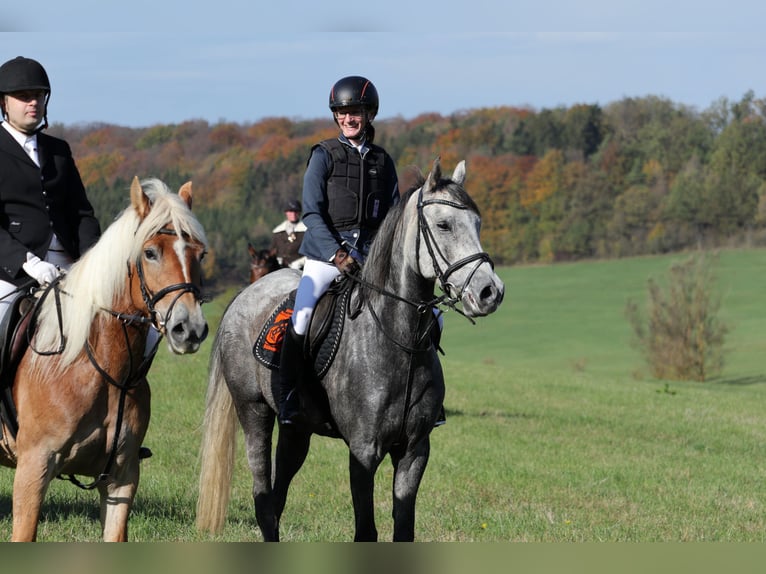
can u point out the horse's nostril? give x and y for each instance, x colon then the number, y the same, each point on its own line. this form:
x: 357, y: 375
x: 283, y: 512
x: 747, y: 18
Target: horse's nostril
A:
x: 487, y: 293
x: 178, y: 329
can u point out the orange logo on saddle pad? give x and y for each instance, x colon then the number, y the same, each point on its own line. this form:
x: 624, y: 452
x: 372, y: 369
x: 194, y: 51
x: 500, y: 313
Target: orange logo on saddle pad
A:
x: 276, y: 333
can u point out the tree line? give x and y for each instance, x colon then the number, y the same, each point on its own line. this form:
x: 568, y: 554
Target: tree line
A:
x: 637, y: 176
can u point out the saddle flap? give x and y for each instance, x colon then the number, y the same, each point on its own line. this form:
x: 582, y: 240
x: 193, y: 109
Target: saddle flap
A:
x: 13, y: 333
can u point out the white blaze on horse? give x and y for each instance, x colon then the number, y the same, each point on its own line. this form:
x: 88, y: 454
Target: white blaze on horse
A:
x: 384, y: 389
x: 80, y: 393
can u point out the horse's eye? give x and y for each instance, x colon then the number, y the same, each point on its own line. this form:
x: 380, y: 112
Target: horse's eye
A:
x: 150, y: 253
x: 444, y: 225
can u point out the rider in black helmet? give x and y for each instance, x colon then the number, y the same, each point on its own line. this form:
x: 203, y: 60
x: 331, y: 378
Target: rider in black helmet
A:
x: 286, y: 237
x: 46, y: 220
x: 349, y: 185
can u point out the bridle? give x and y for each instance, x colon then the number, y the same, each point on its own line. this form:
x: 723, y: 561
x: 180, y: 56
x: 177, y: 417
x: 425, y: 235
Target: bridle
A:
x: 446, y: 299
x: 433, y: 249
x: 151, y: 299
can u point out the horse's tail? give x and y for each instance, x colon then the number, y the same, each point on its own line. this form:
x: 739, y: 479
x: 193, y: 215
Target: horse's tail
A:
x: 217, y: 450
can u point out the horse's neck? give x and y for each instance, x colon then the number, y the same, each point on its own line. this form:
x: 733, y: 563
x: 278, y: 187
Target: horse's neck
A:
x: 404, y: 284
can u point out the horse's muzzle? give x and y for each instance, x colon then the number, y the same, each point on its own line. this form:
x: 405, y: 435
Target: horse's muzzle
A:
x: 483, y: 295
x: 186, y: 331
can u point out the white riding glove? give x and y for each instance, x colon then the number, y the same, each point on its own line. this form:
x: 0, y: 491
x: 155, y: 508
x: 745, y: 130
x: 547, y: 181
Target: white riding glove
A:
x: 41, y: 271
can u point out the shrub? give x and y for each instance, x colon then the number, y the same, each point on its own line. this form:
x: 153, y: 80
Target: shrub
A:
x: 680, y: 335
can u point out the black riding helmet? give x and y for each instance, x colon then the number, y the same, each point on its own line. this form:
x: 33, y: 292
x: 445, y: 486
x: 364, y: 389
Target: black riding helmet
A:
x: 21, y: 74
x: 354, y: 91
x: 293, y: 205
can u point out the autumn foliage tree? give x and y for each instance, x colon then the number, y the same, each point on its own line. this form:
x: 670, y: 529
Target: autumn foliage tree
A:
x: 637, y: 176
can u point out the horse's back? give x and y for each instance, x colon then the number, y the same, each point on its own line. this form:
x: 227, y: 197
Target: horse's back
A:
x: 255, y: 302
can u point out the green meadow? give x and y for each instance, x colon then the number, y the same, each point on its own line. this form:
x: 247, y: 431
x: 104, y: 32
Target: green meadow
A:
x: 555, y: 433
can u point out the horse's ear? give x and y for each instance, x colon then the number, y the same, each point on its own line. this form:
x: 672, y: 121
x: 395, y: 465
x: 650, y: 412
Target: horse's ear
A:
x: 139, y: 199
x: 458, y: 176
x: 434, y: 176
x: 186, y: 193
x: 250, y: 249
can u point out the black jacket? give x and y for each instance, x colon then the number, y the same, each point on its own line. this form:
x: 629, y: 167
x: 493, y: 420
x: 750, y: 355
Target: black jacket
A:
x: 36, y: 201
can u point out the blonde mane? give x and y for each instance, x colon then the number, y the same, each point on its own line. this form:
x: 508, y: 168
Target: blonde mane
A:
x: 100, y: 277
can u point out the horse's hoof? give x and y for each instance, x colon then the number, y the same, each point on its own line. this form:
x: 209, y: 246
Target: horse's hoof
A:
x: 144, y: 452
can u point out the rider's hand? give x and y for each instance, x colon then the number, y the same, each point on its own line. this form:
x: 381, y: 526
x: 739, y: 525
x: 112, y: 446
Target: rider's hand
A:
x: 41, y: 271
x: 344, y: 262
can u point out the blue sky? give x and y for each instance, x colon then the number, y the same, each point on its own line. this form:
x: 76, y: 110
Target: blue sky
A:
x: 140, y: 63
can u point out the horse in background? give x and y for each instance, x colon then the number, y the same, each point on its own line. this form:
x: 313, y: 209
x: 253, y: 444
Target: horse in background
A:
x: 262, y: 261
x: 384, y: 389
x: 80, y: 398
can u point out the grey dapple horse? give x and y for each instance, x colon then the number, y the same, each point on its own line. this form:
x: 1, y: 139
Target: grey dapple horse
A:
x: 384, y: 390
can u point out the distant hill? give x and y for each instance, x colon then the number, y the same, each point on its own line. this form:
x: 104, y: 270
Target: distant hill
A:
x: 638, y: 176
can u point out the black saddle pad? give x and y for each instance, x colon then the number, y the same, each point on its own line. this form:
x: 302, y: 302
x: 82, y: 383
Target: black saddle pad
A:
x: 324, y: 333
x: 269, y: 344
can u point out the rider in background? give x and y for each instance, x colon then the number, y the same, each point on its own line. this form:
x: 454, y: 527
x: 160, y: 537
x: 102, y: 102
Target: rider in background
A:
x: 286, y: 238
x: 349, y: 186
x: 46, y: 220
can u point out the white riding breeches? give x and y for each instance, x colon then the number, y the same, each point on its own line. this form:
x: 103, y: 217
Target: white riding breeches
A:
x: 317, y: 277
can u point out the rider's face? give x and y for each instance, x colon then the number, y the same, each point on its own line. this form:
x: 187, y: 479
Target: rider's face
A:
x: 352, y: 121
x: 25, y: 110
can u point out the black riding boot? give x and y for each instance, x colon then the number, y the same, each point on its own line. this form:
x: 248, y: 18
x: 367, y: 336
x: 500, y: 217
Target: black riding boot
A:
x: 291, y: 365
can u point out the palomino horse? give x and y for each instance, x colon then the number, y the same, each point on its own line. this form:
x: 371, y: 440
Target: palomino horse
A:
x: 80, y: 390
x: 262, y: 261
x: 385, y: 386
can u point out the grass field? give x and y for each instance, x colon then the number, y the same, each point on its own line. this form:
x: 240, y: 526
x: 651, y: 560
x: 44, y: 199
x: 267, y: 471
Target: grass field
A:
x: 555, y: 431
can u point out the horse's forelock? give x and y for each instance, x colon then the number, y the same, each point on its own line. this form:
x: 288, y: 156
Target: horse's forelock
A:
x: 167, y: 208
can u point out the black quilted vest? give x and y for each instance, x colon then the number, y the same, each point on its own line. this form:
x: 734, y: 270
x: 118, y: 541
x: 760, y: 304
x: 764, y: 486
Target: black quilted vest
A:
x: 358, y: 189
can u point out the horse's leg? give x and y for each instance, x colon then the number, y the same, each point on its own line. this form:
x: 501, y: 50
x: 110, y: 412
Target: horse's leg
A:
x: 258, y: 424
x: 362, y: 475
x: 116, y: 501
x: 292, y: 448
x: 34, y: 471
x: 409, y: 467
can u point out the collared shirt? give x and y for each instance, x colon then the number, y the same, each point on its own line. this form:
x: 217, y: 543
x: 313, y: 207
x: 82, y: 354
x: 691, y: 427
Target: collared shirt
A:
x: 22, y: 138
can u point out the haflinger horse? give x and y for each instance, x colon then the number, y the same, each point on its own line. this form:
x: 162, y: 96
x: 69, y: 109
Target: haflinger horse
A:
x: 80, y: 392
x: 262, y: 262
x: 385, y: 387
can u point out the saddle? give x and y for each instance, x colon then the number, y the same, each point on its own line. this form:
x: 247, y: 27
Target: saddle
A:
x: 324, y: 332
x: 14, y: 340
